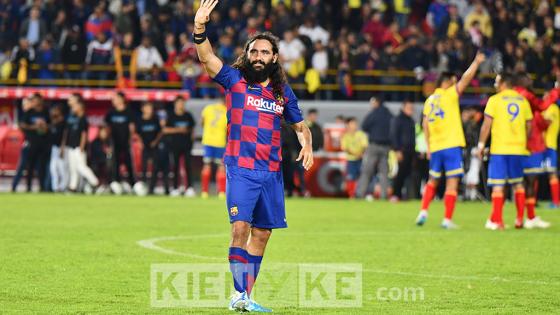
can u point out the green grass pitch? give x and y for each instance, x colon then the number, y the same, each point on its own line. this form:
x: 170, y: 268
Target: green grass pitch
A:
x: 79, y: 254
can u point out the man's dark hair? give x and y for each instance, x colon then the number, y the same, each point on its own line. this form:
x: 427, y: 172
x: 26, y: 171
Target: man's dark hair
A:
x: 522, y: 79
x: 179, y: 98
x: 507, y: 79
x: 350, y: 119
x: 444, y: 76
x: 312, y: 111
x: 277, y: 75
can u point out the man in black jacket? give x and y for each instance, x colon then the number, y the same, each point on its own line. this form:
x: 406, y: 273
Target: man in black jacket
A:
x: 403, y: 141
x: 377, y: 125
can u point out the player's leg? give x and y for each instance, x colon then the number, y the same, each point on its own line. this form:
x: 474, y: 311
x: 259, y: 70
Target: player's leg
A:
x: 255, y: 249
x: 128, y: 165
x: 206, y: 172
x: 352, y: 173
x: 551, y: 162
x: 366, y: 172
x: 436, y: 168
x: 453, y: 165
x: 269, y: 214
x: 188, y: 172
x: 243, y: 191
x: 176, y: 169
x: 497, y: 173
x: 220, y: 179
x: 535, y: 163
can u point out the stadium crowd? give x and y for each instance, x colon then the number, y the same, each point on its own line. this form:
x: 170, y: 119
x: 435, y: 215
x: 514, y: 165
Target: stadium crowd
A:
x: 130, y: 41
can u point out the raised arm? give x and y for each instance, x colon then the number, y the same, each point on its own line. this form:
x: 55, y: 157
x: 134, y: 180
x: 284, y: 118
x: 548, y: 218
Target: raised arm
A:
x: 304, y: 137
x: 206, y: 55
x: 470, y: 73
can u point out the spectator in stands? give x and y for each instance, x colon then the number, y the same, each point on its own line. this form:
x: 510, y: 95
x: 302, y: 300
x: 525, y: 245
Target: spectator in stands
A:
x: 149, y: 129
x: 121, y: 127
x: 76, y: 145
x: 171, y: 59
x: 179, y: 129
x: 480, y: 15
x: 73, y: 53
x: 403, y: 142
x: 47, y: 57
x: 101, y: 156
x: 402, y: 10
x: 35, y: 125
x: 148, y: 61
x: 376, y: 124
x: 59, y: 28
x: 80, y: 12
x: 291, y: 52
x: 437, y: 13
x: 374, y: 28
x: 314, y: 31
x: 452, y: 24
x: 99, y: 54
x: 22, y: 56
x: 27, y: 104
x: 98, y: 22
x: 126, y: 57
x: 33, y: 28
x: 58, y: 165
x: 189, y: 69
x: 354, y: 143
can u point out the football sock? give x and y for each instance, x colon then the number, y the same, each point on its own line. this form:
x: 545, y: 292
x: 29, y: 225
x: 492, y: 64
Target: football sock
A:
x: 253, y: 271
x: 531, y: 208
x: 238, y: 259
x: 520, y: 203
x: 205, y: 178
x: 429, y: 193
x: 449, y: 200
x: 555, y: 191
x: 351, y: 188
x: 497, y: 207
x: 221, y: 181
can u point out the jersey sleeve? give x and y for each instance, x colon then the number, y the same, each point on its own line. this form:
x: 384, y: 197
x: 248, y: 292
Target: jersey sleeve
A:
x: 227, y: 76
x: 490, y: 108
x: 292, y: 113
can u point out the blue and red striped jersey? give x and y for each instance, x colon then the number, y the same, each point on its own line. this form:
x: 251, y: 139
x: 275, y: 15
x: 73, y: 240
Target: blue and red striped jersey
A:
x: 253, y: 121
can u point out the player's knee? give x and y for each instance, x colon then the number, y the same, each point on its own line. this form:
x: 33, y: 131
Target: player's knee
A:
x: 261, y: 235
x: 240, y: 232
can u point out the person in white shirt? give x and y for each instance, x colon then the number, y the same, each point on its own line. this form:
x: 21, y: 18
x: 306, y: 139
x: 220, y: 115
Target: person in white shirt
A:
x: 149, y: 60
x: 290, y: 49
x: 314, y: 31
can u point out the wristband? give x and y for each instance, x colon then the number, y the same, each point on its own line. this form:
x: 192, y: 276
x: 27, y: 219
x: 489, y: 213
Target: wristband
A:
x: 199, y: 38
x: 481, y: 145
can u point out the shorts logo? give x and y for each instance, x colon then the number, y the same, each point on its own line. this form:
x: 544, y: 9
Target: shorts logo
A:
x: 233, y: 211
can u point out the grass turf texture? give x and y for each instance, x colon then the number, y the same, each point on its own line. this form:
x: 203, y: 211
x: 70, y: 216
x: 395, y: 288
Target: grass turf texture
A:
x: 79, y: 254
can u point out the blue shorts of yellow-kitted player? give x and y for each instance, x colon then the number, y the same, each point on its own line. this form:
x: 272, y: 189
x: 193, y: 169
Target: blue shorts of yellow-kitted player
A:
x: 448, y: 161
x: 505, y: 169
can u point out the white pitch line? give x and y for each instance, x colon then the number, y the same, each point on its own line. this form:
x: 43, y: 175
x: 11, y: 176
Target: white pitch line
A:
x: 151, y: 244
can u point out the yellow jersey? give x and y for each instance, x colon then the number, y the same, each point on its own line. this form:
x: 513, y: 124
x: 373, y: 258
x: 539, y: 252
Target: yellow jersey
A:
x: 509, y: 112
x: 552, y: 114
x: 445, y: 127
x: 214, y: 124
x: 354, y: 144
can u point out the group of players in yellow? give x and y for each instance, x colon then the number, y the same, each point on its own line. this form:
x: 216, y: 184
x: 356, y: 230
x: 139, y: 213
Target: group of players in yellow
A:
x: 515, y: 154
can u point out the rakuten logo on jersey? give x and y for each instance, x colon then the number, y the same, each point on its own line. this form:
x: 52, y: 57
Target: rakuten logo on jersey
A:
x: 264, y: 105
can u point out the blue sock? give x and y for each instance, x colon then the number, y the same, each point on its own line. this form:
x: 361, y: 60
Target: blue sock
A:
x: 238, y: 267
x: 253, y: 271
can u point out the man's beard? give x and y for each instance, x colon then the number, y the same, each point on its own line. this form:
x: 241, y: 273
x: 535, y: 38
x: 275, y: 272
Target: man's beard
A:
x: 253, y: 75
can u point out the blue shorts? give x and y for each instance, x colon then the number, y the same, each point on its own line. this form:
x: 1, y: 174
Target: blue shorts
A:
x: 256, y: 197
x: 213, y: 154
x: 534, y: 164
x: 550, y: 161
x: 504, y: 169
x: 353, y: 169
x: 449, y: 161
